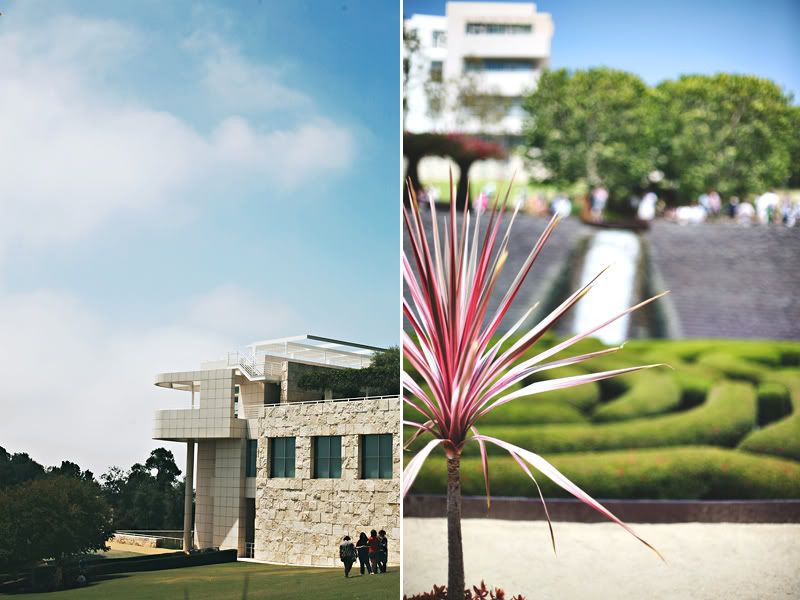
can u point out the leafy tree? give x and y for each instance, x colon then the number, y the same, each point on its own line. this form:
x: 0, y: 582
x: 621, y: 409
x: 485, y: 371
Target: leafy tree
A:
x: 18, y: 468
x: 593, y: 127
x: 163, y: 462
x: 54, y: 518
x: 70, y: 469
x: 473, y: 100
x: 730, y: 133
x: 142, y: 500
x: 380, y: 378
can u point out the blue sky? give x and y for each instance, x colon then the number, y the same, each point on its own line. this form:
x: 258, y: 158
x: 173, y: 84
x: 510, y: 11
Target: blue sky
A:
x: 662, y: 40
x: 178, y: 179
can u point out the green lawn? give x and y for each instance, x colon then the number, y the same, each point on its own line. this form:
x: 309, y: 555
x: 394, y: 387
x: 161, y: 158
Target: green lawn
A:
x: 219, y: 582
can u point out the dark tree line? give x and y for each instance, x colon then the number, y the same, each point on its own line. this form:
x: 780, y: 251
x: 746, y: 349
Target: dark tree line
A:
x: 54, y: 513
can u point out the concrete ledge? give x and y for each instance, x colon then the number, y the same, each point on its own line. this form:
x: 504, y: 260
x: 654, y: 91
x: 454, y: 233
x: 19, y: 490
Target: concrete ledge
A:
x: 632, y: 511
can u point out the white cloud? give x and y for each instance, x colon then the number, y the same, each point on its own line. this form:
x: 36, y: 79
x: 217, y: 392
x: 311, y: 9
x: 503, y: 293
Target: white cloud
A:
x: 73, y: 153
x: 239, y: 84
x: 77, y: 387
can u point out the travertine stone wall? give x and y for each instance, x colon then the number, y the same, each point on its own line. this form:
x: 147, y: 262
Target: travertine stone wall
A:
x: 301, y: 520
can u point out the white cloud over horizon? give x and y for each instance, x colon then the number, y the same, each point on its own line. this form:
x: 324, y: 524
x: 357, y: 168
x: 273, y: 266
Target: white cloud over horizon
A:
x: 79, y: 387
x: 74, y: 153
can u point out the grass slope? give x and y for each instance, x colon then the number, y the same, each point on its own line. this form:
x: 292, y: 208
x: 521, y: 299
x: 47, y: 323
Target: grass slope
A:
x: 227, y: 581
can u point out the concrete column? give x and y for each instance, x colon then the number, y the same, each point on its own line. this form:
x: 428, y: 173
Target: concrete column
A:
x: 187, y: 502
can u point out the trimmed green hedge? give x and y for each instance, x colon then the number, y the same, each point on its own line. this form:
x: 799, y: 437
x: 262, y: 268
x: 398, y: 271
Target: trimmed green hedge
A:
x: 732, y: 367
x: 686, y: 472
x: 783, y: 437
x: 727, y: 416
x: 774, y: 402
x: 538, y: 409
x: 651, y: 393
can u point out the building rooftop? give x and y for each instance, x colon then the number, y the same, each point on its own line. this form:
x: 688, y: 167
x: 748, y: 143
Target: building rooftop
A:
x: 316, y: 349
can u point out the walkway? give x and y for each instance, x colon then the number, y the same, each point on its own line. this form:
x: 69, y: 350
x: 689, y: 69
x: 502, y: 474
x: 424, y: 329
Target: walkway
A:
x: 602, y: 561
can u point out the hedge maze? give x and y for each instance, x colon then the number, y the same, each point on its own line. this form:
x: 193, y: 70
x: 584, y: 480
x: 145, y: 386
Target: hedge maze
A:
x: 722, y: 421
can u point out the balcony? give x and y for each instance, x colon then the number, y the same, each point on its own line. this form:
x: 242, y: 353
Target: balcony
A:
x: 529, y: 45
x: 179, y: 425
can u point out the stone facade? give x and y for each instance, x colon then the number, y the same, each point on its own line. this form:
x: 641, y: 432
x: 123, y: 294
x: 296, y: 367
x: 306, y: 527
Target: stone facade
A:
x: 301, y: 520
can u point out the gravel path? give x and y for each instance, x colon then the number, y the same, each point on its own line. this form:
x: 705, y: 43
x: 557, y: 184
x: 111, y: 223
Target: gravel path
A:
x: 600, y: 560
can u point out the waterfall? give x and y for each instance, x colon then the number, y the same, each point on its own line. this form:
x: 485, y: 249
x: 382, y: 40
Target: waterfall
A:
x: 614, y: 291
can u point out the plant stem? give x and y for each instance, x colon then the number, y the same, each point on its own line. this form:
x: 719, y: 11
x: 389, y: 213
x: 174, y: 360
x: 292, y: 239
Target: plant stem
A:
x: 455, y: 551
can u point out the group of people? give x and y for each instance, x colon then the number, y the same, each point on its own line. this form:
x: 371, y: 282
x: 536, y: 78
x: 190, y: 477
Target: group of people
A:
x: 372, y: 552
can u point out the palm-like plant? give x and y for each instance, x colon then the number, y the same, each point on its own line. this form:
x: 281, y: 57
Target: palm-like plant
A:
x: 467, y: 370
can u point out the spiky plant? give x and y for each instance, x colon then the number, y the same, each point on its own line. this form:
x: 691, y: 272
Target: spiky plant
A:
x: 467, y: 370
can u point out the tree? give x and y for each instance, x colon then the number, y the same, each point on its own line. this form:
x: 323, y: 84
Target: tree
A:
x: 54, y: 518
x: 70, y: 469
x: 380, y: 378
x: 593, y: 127
x: 141, y: 500
x: 735, y: 134
x: 18, y: 468
x: 475, y: 101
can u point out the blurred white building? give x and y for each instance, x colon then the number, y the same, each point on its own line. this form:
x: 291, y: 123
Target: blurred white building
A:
x: 498, y: 49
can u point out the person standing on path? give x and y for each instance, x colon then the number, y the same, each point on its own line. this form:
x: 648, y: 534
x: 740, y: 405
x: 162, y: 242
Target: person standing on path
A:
x: 374, y: 550
x: 347, y: 554
x: 362, y: 546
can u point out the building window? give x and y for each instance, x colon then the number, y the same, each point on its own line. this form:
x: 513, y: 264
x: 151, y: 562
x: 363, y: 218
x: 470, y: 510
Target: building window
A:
x: 474, y: 65
x: 436, y: 71
x: 499, y: 28
x: 251, y: 455
x: 281, y: 457
x: 328, y: 457
x: 439, y: 39
x: 376, y: 456
x: 236, y: 390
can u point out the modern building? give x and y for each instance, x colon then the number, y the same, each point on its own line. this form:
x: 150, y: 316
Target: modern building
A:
x: 469, y: 71
x: 500, y: 49
x: 283, y: 472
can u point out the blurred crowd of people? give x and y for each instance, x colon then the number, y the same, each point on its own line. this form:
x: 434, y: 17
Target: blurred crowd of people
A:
x: 768, y: 208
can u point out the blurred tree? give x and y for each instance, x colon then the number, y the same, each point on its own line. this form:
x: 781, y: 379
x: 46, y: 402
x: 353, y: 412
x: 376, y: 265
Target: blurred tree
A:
x: 593, y: 127
x: 475, y: 101
x: 735, y: 134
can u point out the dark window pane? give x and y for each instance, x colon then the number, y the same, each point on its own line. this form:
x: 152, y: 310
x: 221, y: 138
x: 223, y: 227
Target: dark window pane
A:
x: 323, y: 447
x: 386, y: 467
x: 336, y: 446
x: 385, y: 445
x: 290, y: 467
x: 370, y: 445
x: 376, y: 456
x: 371, y: 468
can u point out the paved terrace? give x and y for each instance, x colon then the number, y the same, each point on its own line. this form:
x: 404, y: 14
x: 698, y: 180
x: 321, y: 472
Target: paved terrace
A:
x: 730, y: 281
